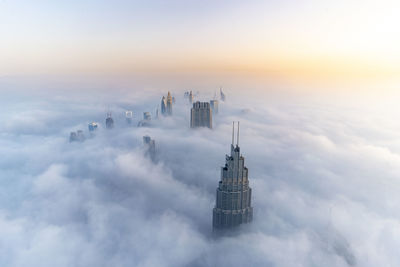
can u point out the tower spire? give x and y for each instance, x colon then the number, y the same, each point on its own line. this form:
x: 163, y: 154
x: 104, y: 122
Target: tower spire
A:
x: 237, y: 140
x: 233, y: 133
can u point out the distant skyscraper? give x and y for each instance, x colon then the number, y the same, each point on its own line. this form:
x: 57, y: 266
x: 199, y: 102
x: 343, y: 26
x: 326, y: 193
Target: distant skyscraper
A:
x: 146, y: 122
x: 214, y: 106
x: 169, y: 104
x: 233, y: 203
x: 92, y: 126
x: 166, y: 105
x: 109, y: 121
x: 157, y: 113
x: 163, y: 105
x: 128, y: 116
x: 221, y: 94
x: 201, y: 115
x: 147, y: 116
x: 191, y: 97
x: 77, y: 136
x: 150, y: 146
x: 73, y: 137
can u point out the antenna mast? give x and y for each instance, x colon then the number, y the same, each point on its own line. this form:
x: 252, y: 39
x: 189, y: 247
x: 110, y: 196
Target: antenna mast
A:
x: 237, y: 141
x: 233, y: 133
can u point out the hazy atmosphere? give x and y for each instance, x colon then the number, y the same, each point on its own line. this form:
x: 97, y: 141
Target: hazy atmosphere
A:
x: 314, y: 85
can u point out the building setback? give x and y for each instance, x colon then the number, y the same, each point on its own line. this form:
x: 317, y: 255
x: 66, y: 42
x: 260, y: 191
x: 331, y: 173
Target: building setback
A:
x: 201, y: 115
x: 233, y: 203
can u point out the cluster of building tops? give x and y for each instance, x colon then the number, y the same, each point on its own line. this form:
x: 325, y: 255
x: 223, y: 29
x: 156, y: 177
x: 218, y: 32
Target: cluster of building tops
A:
x: 233, y: 195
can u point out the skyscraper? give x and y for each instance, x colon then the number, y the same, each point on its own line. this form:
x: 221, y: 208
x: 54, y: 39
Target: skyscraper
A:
x: 166, y: 105
x: 146, y: 122
x: 163, y: 105
x: 169, y: 104
x: 128, y: 116
x: 77, y: 136
x: 191, y: 97
x: 233, y: 203
x: 109, y: 121
x: 214, y: 106
x: 150, y: 146
x: 92, y: 126
x: 222, y: 95
x: 201, y: 115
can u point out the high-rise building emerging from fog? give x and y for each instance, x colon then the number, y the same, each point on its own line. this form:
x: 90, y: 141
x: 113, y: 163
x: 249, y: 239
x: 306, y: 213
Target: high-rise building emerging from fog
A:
x: 166, y: 105
x: 128, y: 116
x: 222, y: 95
x: 109, y: 121
x: 150, y: 146
x: 77, y: 136
x: 214, y: 106
x: 92, y: 127
x: 201, y: 115
x: 233, y: 203
x: 191, y: 97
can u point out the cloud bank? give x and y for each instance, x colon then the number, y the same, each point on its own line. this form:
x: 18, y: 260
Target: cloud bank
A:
x: 325, y: 184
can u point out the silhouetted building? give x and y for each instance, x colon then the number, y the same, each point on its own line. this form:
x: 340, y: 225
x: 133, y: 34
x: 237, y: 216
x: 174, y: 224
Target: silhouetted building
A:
x: 109, y: 121
x: 222, y: 95
x: 214, y: 106
x: 201, y: 115
x: 77, y: 136
x: 233, y: 203
x: 150, y: 146
x: 128, y: 116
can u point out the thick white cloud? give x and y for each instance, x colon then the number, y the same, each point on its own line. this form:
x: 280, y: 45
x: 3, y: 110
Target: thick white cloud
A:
x: 325, y: 185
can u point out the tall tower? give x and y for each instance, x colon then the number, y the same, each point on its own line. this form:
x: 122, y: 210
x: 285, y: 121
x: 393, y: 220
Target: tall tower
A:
x: 222, y: 95
x: 191, y: 97
x: 109, y: 121
x: 150, y: 146
x: 128, y: 116
x: 214, y: 106
x: 201, y: 115
x: 169, y: 104
x: 163, y: 105
x: 233, y: 204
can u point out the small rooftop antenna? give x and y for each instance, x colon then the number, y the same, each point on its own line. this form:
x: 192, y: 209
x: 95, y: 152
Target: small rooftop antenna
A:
x: 237, y: 141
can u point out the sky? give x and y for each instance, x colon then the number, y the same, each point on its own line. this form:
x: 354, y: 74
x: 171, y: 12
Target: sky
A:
x: 299, y: 40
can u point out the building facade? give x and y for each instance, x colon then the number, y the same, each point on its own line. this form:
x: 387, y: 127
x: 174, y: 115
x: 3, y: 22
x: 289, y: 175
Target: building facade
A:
x: 214, y: 106
x: 233, y: 198
x: 201, y: 115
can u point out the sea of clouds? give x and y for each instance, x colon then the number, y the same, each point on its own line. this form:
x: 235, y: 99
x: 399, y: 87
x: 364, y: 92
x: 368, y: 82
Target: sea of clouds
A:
x: 325, y: 180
